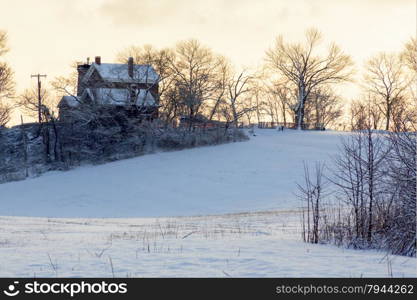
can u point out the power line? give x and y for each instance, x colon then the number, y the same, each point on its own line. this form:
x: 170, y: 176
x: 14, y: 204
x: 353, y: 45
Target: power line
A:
x: 39, y: 95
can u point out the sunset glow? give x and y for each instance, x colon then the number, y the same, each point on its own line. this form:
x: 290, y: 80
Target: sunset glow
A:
x: 46, y: 36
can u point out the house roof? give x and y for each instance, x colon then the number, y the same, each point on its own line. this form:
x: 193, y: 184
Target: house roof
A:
x: 72, y: 101
x: 119, y: 73
x: 111, y: 96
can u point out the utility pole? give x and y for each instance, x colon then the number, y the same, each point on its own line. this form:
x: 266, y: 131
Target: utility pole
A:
x: 39, y: 95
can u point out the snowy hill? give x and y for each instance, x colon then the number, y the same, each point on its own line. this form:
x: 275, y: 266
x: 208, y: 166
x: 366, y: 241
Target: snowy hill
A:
x: 259, y: 174
x: 52, y: 226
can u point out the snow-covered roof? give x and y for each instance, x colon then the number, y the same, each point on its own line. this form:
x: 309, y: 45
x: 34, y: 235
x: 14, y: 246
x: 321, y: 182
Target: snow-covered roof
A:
x: 111, y: 96
x: 119, y: 73
x: 72, y: 101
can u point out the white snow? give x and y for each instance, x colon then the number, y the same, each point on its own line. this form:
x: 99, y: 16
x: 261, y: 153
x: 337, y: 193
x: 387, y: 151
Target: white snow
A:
x: 238, y: 245
x: 119, y: 73
x: 118, y: 219
x: 259, y: 174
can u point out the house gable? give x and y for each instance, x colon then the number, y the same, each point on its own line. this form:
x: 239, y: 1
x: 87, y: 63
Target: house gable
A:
x: 122, y: 86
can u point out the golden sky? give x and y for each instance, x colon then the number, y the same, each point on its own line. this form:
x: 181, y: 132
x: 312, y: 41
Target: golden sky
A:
x: 47, y: 35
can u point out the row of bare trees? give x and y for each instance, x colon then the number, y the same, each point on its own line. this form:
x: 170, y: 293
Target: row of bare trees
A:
x: 297, y: 84
x: 389, y: 98
x: 322, y: 109
x: 6, y: 83
x: 307, y: 71
x: 195, y: 81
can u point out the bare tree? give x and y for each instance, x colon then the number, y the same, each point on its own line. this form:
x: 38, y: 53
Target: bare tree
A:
x: 385, y: 79
x: 307, y: 70
x: 28, y: 102
x: 285, y: 99
x: 6, y: 83
x: 312, y: 192
x: 364, y: 112
x: 222, y: 79
x: 324, y: 107
x: 401, y: 228
x: 5, y: 114
x: 249, y: 114
x: 409, y: 54
x: 161, y: 60
x: 359, y: 175
x: 258, y: 95
x: 271, y: 107
x: 357, y: 115
x: 195, y: 83
x: 3, y: 43
x: 238, y: 87
x: 66, y: 85
x: 409, y: 117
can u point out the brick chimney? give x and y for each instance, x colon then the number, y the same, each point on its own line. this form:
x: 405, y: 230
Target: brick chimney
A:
x: 98, y: 60
x: 130, y: 67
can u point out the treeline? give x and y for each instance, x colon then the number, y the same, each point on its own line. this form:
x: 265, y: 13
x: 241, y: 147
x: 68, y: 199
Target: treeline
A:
x: 7, y: 85
x: 389, y: 100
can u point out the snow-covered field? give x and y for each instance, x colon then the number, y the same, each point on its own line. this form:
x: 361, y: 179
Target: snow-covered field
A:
x: 237, y: 245
x: 259, y: 174
x: 220, y: 211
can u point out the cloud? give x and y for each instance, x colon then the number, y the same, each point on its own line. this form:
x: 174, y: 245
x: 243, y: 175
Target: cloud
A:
x: 144, y: 12
x: 150, y: 12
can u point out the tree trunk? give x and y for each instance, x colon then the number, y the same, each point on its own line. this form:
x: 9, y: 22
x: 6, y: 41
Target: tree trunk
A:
x: 300, y: 111
x: 318, y: 116
x: 283, y: 115
x: 235, y: 116
x: 388, y: 117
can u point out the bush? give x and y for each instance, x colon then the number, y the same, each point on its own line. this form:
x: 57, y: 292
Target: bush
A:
x: 30, y: 150
x: 375, y: 181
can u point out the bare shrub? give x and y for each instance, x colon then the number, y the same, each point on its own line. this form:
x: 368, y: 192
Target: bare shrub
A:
x: 312, y: 192
x: 401, y: 229
x: 374, y: 179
